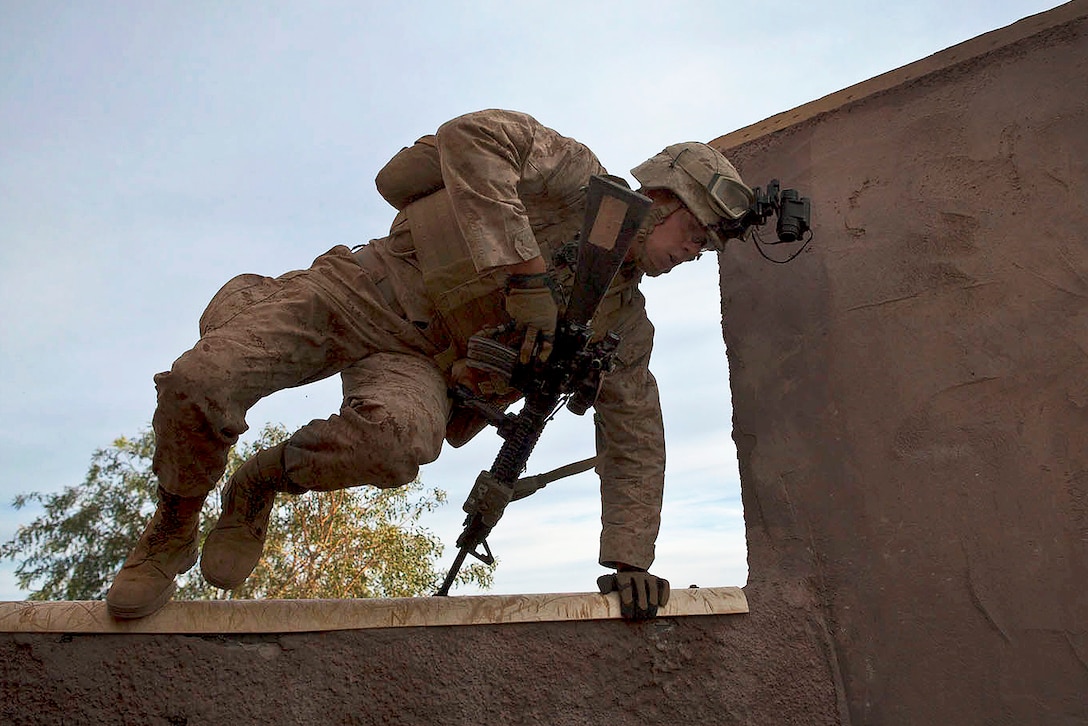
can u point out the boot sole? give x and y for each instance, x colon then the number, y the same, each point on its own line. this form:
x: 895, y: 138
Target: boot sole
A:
x: 221, y: 584
x: 141, y: 611
x: 135, y: 612
x: 218, y: 550
x: 216, y: 581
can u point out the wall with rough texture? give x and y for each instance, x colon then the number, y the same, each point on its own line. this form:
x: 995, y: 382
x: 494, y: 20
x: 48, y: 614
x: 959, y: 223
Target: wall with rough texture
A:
x: 714, y: 669
x: 911, y: 402
x: 911, y: 393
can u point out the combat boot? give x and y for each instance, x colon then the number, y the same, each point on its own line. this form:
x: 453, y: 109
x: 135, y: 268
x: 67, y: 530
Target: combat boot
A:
x: 167, y: 548
x: 234, y: 547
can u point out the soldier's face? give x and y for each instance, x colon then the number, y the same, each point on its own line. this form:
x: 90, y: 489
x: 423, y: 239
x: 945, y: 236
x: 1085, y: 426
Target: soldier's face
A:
x: 680, y: 238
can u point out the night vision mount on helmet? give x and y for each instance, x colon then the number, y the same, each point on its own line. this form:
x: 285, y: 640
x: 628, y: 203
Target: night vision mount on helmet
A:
x: 794, y: 214
x: 710, y: 187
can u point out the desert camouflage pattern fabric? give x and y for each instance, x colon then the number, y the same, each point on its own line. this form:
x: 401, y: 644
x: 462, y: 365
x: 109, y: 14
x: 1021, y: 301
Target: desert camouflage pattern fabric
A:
x: 516, y: 189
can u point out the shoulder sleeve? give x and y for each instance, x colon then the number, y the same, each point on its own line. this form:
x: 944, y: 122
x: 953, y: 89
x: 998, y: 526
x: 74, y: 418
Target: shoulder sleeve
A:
x: 487, y: 159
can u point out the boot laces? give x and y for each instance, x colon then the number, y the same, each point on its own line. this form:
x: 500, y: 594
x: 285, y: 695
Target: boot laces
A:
x: 256, y: 495
x: 169, y: 524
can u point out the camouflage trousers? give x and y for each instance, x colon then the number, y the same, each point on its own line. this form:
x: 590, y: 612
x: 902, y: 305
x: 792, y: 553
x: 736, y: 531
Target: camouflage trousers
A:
x: 260, y: 335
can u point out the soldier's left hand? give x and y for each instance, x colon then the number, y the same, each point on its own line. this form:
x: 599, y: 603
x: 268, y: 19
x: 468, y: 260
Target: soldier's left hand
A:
x: 641, y: 593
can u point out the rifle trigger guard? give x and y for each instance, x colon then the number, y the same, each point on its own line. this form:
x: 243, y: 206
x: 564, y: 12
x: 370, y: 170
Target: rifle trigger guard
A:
x: 485, y: 557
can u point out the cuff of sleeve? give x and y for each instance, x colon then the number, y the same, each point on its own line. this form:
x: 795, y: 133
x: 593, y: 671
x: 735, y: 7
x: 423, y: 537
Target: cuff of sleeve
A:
x: 617, y: 550
x: 525, y: 244
x: 492, y: 248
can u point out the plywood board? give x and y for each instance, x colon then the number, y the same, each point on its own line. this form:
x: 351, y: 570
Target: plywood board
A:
x: 295, y: 616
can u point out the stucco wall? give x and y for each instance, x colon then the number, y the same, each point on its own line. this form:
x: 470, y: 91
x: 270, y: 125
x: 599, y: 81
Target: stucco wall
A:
x: 725, y: 669
x: 911, y: 393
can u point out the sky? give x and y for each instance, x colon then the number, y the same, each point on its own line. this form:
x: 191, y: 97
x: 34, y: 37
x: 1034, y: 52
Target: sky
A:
x: 150, y: 151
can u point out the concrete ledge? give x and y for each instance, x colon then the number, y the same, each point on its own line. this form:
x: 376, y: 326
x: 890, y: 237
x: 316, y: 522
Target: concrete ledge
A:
x: 301, y: 616
x: 973, y: 48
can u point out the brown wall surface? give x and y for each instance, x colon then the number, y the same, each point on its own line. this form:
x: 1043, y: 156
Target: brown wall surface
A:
x: 911, y: 393
x: 699, y: 670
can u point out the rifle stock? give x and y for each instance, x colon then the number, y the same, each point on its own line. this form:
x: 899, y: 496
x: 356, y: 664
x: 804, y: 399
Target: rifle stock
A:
x: 613, y: 216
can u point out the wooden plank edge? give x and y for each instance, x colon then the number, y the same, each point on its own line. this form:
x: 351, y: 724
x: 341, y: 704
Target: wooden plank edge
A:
x: 954, y: 55
x: 298, y: 616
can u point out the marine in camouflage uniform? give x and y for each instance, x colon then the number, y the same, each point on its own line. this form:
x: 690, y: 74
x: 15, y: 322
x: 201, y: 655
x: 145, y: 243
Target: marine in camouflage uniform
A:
x: 486, y: 208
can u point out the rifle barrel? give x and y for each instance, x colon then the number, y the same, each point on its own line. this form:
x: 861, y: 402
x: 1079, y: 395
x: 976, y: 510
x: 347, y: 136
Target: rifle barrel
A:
x: 452, y: 574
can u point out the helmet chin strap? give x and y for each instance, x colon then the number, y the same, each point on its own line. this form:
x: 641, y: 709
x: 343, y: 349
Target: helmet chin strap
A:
x: 638, y: 249
x: 661, y: 211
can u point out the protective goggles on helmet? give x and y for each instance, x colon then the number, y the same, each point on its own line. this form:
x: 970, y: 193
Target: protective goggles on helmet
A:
x: 728, y: 195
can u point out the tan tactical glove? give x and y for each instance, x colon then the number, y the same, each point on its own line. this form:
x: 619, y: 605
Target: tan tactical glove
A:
x: 530, y: 303
x: 641, y: 593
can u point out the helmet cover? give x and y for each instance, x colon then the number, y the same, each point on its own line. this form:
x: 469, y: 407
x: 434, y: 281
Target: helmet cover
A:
x: 704, y: 181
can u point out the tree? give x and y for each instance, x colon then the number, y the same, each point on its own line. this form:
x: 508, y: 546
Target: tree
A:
x: 362, y: 542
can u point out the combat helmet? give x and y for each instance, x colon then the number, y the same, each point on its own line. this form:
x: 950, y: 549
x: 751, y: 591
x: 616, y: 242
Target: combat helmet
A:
x: 707, y: 184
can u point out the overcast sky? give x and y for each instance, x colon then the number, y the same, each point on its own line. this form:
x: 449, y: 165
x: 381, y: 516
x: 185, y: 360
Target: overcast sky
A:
x: 150, y: 151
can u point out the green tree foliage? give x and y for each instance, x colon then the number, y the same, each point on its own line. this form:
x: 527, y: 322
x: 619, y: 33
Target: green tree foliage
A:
x: 362, y: 542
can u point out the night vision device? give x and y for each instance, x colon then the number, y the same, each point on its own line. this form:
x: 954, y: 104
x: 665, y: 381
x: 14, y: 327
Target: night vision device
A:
x: 794, y: 213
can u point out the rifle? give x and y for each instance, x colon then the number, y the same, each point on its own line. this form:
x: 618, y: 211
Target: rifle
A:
x: 572, y: 370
